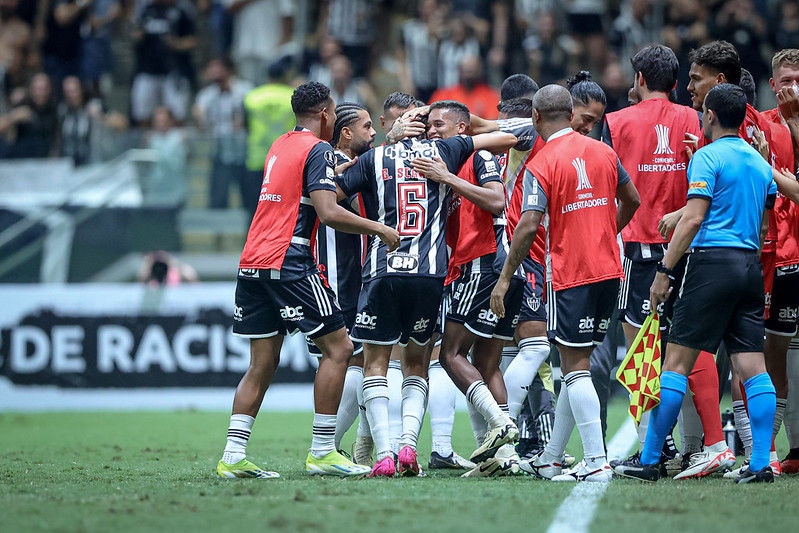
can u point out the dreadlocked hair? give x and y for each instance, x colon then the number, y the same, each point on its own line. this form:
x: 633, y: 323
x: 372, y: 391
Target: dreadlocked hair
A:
x: 346, y: 114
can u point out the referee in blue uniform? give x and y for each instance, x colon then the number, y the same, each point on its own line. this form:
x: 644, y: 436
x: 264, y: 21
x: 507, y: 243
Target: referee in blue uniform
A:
x: 729, y: 187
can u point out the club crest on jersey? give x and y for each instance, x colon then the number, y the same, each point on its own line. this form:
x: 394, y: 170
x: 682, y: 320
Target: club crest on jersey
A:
x: 662, y: 147
x: 398, y: 262
x: 330, y: 158
x: 582, y: 176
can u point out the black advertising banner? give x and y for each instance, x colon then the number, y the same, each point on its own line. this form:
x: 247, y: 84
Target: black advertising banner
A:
x: 130, y: 336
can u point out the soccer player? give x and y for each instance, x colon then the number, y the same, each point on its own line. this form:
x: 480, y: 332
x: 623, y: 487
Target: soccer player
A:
x: 589, y: 100
x: 279, y: 289
x: 339, y: 257
x: 648, y: 139
x: 476, y: 237
x: 574, y: 180
x: 730, y: 186
x: 402, y: 290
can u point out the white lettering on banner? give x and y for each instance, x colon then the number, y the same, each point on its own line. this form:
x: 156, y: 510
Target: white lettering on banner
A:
x: 23, y: 362
x: 67, y: 349
x: 154, y: 349
x: 182, y: 346
x: 584, y: 204
x: 114, y: 346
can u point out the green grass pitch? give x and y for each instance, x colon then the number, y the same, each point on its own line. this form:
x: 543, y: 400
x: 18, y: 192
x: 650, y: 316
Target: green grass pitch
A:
x: 154, y: 471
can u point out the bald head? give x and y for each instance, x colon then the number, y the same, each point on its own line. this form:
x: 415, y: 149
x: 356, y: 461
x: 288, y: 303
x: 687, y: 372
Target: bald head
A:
x: 553, y: 102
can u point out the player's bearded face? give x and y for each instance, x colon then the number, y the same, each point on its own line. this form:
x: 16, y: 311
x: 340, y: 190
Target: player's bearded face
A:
x: 701, y: 81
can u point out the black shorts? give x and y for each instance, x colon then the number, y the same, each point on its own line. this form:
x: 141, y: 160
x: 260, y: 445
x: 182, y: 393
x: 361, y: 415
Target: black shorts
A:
x: 266, y: 307
x: 784, y: 315
x: 639, y: 272
x: 721, y: 299
x: 580, y: 316
x: 533, y: 308
x: 470, y: 304
x: 396, y: 309
x: 349, y: 322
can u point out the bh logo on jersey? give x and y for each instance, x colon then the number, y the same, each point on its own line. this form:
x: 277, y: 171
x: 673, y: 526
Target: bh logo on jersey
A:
x: 292, y: 313
x: 365, y: 320
x: 582, y: 175
x: 662, y: 147
x: 401, y: 262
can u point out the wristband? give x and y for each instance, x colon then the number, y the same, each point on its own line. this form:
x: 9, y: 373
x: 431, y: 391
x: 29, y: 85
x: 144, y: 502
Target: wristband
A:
x: 663, y: 269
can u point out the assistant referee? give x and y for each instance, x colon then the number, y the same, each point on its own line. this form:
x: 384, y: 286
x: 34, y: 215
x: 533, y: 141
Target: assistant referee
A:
x: 729, y: 188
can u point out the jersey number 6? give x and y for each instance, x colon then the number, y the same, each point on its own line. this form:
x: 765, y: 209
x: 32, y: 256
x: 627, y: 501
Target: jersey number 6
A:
x: 412, y: 208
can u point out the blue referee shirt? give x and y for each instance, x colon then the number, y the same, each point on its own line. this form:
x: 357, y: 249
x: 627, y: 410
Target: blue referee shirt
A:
x: 738, y: 182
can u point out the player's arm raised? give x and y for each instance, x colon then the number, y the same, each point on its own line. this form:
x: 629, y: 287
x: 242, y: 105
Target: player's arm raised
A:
x: 490, y: 197
x: 787, y: 183
x: 495, y: 142
x: 331, y: 214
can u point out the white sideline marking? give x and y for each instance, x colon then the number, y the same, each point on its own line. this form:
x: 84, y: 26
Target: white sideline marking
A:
x: 576, y: 512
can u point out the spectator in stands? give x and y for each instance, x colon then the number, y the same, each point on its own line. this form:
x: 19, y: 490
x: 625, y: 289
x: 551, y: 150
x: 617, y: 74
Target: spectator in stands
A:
x: 738, y: 22
x: 96, y: 59
x: 354, y: 24
x: 633, y: 29
x: 261, y: 31
x: 344, y: 88
x: 785, y: 25
x: 459, y: 43
x: 480, y: 98
x: 165, y: 36
x: 550, y: 54
x: 160, y: 268
x: 61, y: 47
x: 268, y: 112
x: 586, y: 23
x: 15, y: 40
x: 685, y: 29
x: 33, y: 121
x: 318, y: 63
x: 219, y: 110
x: 418, y: 54
x: 165, y: 185
x: 616, y: 86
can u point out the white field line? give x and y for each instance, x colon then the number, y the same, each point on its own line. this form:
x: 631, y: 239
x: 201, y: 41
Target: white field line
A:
x: 576, y: 512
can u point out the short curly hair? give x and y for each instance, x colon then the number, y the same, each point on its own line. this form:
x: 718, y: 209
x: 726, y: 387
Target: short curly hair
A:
x: 786, y: 56
x: 309, y: 98
x: 721, y: 57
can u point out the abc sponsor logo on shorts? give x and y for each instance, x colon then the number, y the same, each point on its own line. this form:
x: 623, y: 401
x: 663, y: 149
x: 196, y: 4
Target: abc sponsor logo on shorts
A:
x: 789, y: 314
x: 646, y: 307
x: 487, y: 316
x: 586, y: 325
x: 421, y: 325
x: 292, y: 313
x: 365, y: 320
x: 402, y: 263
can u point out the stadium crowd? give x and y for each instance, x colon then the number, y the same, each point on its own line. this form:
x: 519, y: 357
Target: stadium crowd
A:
x: 499, y: 237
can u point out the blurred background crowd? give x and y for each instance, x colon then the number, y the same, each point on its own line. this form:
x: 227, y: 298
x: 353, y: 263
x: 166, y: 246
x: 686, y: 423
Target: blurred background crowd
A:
x: 205, y: 84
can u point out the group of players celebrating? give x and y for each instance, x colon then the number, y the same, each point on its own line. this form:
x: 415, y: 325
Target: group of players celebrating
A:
x: 485, y: 238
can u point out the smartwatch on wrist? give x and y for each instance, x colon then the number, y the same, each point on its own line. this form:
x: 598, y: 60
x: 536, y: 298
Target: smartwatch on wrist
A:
x: 663, y: 269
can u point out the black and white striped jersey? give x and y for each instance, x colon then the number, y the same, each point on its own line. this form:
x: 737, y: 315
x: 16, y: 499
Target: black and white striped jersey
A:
x: 397, y: 195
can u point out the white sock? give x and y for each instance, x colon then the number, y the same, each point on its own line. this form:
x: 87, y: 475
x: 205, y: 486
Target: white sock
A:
x: 585, y: 407
x: 742, y: 425
x: 324, y: 435
x: 414, y: 399
x: 479, y: 426
x: 375, y: 399
x: 791, y: 417
x: 691, y: 430
x: 778, y: 416
x: 363, y: 422
x: 478, y: 395
x: 562, y: 429
x: 238, y: 433
x: 508, y: 355
x: 441, y: 405
x: 394, y: 376
x: 643, y: 425
x: 522, y: 370
x: 348, y: 407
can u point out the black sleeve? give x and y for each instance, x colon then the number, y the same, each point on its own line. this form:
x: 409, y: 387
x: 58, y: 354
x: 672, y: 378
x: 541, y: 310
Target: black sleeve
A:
x: 770, y: 200
x: 606, y: 133
x: 455, y: 151
x: 486, y: 167
x: 320, y: 168
x: 356, y: 178
x: 624, y: 177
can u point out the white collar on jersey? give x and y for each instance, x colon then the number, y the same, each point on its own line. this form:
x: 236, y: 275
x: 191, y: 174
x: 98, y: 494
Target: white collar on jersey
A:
x: 560, y: 133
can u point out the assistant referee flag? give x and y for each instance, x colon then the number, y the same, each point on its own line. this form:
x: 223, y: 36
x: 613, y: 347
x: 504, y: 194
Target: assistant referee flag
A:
x: 640, y: 370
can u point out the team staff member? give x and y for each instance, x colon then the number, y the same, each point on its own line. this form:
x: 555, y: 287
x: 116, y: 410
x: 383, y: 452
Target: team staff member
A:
x: 279, y: 289
x: 574, y: 180
x: 730, y: 186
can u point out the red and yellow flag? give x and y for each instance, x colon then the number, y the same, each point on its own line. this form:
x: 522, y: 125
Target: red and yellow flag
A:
x: 640, y: 370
